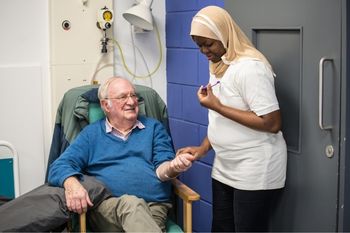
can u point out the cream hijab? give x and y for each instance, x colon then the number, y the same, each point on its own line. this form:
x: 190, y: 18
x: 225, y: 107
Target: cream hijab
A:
x: 216, y: 23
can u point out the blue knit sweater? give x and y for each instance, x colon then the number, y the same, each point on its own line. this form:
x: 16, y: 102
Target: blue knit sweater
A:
x: 125, y: 167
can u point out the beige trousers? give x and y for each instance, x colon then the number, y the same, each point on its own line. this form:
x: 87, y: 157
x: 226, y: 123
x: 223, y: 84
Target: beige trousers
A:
x: 129, y: 213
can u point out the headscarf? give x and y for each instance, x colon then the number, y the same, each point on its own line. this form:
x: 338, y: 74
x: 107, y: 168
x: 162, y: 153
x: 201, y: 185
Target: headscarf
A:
x: 216, y: 23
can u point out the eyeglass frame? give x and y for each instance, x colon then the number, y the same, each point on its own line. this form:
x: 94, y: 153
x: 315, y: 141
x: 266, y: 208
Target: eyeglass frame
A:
x: 124, y: 98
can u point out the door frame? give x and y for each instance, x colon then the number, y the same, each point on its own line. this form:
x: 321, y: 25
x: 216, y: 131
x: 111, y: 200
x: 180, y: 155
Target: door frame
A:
x: 344, y: 145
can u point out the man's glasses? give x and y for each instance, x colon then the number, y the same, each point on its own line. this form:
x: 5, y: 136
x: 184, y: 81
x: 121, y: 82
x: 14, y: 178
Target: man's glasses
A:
x: 124, y: 98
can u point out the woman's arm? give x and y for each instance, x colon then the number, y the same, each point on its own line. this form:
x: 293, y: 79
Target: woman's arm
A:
x: 270, y: 122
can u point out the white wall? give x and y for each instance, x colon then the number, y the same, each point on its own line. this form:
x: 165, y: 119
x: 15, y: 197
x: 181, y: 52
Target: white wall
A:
x: 146, y: 42
x: 25, y: 86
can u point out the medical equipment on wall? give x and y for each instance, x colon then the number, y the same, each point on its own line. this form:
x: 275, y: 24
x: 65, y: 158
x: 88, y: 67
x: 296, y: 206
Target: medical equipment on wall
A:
x: 140, y: 15
x: 105, y: 19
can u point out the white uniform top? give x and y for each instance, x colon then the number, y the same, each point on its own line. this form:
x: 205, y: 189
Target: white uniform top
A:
x: 246, y: 159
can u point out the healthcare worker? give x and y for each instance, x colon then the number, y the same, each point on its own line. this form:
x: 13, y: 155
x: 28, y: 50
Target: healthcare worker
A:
x: 249, y: 168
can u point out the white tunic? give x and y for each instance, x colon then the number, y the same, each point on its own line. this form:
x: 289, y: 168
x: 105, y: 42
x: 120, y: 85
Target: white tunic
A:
x: 247, y: 159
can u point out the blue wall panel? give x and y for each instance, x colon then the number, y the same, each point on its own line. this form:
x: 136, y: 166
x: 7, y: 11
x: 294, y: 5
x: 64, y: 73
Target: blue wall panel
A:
x: 203, y: 69
x: 209, y: 158
x: 180, y: 5
x: 174, y: 100
x: 204, y: 3
x: 200, y: 185
x: 183, y: 133
x: 182, y: 66
x: 192, y: 110
x: 190, y: 5
x: 179, y: 23
x: 202, y: 215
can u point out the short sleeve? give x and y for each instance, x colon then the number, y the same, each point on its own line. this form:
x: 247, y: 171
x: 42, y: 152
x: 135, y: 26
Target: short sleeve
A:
x: 257, y: 88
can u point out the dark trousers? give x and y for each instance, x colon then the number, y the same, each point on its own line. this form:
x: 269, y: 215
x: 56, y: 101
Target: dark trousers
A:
x: 237, y: 210
x: 44, y: 208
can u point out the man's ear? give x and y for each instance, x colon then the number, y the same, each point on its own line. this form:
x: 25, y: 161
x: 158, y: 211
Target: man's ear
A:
x: 109, y: 103
x: 106, y: 105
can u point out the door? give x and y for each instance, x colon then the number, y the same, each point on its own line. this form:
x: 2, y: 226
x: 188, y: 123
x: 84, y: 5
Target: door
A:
x: 302, y: 40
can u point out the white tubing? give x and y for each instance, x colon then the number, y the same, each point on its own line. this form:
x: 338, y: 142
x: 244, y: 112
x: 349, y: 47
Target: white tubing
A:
x: 15, y: 164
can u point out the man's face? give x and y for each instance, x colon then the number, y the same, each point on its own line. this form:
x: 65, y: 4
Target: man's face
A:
x: 122, y: 101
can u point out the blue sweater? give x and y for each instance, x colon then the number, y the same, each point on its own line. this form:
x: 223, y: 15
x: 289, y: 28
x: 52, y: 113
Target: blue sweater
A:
x: 125, y: 167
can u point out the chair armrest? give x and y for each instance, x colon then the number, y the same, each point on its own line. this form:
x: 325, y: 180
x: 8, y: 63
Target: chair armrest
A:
x: 184, y: 192
x: 188, y: 196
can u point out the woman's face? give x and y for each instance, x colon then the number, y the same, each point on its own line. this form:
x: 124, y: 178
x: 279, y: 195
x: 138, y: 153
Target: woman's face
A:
x: 211, y: 48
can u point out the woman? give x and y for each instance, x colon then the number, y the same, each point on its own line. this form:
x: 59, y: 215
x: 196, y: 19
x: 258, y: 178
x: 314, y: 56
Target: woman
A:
x: 244, y: 124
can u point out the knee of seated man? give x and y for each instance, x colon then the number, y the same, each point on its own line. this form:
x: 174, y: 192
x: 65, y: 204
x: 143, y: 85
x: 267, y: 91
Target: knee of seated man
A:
x: 132, y: 202
x: 97, y: 191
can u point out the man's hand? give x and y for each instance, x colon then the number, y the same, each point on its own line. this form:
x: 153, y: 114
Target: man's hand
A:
x: 171, y: 169
x: 197, y: 151
x: 77, y: 197
x: 182, y: 162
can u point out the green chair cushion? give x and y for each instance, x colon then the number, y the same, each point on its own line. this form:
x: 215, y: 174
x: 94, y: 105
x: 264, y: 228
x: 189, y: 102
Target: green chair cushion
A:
x: 95, y: 112
x: 172, y: 227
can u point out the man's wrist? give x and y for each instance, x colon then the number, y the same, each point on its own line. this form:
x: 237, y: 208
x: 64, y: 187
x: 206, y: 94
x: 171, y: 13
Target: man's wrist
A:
x: 70, y: 181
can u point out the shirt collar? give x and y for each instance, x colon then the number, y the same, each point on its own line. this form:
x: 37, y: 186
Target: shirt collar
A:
x: 110, y: 128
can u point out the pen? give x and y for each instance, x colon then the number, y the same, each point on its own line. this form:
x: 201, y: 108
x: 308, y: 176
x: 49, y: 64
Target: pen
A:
x: 205, y: 88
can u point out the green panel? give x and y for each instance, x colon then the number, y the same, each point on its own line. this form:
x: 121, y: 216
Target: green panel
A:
x: 95, y: 112
x: 7, y: 187
x: 172, y: 227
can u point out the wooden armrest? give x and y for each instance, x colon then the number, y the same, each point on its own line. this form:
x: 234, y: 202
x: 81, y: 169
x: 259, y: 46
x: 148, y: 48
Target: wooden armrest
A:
x: 188, y: 196
x: 184, y: 192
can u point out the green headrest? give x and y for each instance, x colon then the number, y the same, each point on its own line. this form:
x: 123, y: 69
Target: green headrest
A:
x: 95, y: 112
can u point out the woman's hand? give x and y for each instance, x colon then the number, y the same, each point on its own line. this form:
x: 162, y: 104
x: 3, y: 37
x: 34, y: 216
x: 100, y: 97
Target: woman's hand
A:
x: 207, y: 98
x: 77, y: 198
x: 196, y: 151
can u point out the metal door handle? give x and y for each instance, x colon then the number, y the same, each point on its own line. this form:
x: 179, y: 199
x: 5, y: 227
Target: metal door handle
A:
x: 320, y: 94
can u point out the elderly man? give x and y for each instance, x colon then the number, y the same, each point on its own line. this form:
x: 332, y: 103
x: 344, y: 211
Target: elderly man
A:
x: 131, y: 155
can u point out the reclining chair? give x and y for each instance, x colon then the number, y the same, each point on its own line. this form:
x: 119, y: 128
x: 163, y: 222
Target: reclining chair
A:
x: 80, y: 106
